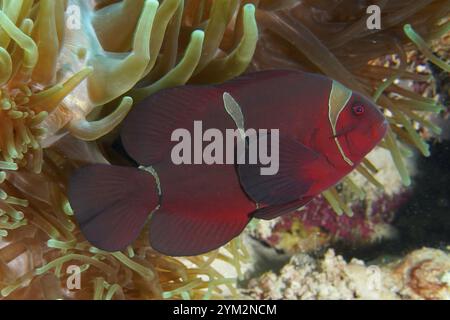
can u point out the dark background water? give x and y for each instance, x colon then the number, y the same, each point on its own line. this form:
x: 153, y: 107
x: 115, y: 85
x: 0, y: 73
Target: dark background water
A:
x: 424, y: 221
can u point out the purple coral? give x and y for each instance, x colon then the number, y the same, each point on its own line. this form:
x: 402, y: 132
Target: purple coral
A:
x: 366, y: 224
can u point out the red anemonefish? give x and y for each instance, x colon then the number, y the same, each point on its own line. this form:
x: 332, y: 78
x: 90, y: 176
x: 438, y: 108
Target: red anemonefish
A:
x: 325, y: 130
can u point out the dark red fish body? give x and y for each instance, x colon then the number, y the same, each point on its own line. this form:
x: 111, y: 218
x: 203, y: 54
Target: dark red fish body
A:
x: 325, y: 130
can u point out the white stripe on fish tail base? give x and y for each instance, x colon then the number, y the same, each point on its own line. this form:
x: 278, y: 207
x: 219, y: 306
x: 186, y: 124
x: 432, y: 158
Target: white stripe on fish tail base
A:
x: 153, y: 172
x: 235, y: 112
x: 339, y: 97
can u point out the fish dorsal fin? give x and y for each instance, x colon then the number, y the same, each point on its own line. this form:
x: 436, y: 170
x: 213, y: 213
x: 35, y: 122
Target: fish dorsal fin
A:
x: 146, y: 132
x: 339, y: 97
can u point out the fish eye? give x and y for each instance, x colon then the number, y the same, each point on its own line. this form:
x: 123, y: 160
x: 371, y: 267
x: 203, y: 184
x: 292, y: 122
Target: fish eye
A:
x: 358, y: 109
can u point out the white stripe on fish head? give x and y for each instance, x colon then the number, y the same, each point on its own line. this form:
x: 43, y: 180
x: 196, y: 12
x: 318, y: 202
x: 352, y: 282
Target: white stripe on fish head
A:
x: 339, y: 97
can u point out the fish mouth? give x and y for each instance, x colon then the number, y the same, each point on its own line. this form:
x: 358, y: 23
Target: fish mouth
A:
x: 379, y: 131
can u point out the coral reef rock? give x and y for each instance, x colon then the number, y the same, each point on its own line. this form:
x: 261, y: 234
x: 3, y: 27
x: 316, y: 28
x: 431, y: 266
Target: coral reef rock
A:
x: 422, y: 274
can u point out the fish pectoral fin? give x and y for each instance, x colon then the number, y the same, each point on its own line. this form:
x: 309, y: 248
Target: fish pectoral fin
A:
x: 291, y: 181
x: 111, y: 203
x: 178, y: 234
x: 272, y: 212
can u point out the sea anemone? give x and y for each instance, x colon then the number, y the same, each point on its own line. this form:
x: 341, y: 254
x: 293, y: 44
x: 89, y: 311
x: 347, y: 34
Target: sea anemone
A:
x: 44, y: 58
x: 42, y: 243
x: 30, y: 39
x: 136, y: 48
x: 45, y: 55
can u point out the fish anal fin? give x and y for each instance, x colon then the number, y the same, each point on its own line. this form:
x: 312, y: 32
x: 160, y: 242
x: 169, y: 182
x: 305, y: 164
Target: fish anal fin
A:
x: 272, y: 212
x: 178, y: 234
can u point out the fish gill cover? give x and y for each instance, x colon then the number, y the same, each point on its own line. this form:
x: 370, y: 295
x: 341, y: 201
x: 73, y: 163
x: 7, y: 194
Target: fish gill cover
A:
x: 64, y: 85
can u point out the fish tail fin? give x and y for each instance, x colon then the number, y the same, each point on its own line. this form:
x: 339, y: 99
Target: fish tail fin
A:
x: 112, y: 203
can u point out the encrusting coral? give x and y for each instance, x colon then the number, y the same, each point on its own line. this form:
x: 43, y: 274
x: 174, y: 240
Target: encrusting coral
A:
x: 64, y: 82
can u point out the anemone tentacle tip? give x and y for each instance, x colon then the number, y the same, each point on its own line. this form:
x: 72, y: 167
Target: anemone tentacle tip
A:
x: 250, y: 7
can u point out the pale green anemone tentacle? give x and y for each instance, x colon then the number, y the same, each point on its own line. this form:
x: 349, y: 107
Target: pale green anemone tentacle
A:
x: 113, y: 290
x: 181, y: 73
x: 440, y: 31
x: 168, y: 56
x: 396, y: 75
x: 19, y: 282
x: 5, y: 66
x: 306, y: 42
x: 12, y: 10
x: 31, y: 53
x: 51, y: 98
x: 422, y: 120
x: 60, y: 19
x: 414, y: 104
x: 354, y: 188
x: 72, y: 256
x: 369, y: 177
x: 99, y: 288
x: 424, y: 48
x: 391, y: 143
x: 92, y: 130
x: 183, y: 290
x: 114, y: 76
x: 217, y: 24
x: 415, y: 137
x: 8, y: 166
x: 236, y: 62
x: 138, y: 268
x: 334, y: 203
x: 115, y: 24
x: 27, y: 26
x: 163, y: 16
x: 7, y: 145
x: 342, y: 203
x: 46, y: 36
